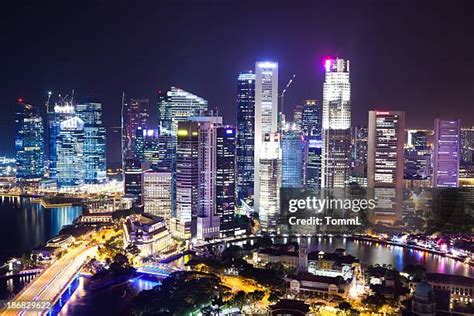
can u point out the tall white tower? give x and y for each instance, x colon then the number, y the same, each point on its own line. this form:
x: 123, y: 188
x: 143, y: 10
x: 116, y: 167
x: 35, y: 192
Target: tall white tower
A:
x: 266, y: 129
x: 336, y: 124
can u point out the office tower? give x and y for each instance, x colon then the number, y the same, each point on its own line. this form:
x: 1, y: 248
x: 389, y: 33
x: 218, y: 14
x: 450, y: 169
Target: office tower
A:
x: 292, y: 158
x: 385, y: 148
x: 358, y: 165
x: 29, y: 143
x: 134, y: 115
x: 70, y: 171
x: 467, y: 146
x: 312, y: 161
x: 166, y: 153
x: 446, y: 154
x: 266, y: 128
x: 226, y: 178
x: 133, y: 174
x: 187, y: 176
x: 95, y: 164
x: 419, y: 139
x: 311, y: 119
x: 359, y: 145
x: 386, y: 138
x: 62, y: 110
x: 157, y: 190
x: 177, y: 105
x: 208, y: 222
x: 311, y: 124
x: 270, y: 182
x: 417, y: 164
x: 298, y: 115
x: 245, y: 135
x: 336, y: 124
x: 147, y: 145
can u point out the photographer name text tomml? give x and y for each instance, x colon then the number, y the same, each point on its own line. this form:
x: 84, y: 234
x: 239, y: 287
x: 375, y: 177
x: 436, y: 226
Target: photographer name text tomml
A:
x: 328, y: 220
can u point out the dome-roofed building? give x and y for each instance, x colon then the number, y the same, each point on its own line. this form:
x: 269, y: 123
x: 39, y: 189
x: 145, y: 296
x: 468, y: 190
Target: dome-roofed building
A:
x: 424, y: 303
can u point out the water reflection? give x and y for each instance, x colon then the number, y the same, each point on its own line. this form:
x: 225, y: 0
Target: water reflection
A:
x: 399, y: 257
x: 25, y: 225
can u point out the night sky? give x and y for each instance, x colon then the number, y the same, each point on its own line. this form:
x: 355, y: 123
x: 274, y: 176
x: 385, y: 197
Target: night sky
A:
x: 417, y: 57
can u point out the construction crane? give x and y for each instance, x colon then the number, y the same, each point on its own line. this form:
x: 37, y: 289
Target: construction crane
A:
x: 281, y: 115
x: 48, y: 100
x: 282, y: 95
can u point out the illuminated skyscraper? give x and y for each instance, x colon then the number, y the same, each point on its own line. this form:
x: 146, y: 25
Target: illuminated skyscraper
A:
x: 246, y: 135
x: 208, y: 221
x: 386, y: 140
x: 385, y: 159
x: 267, y: 146
x: 446, y: 156
x: 312, y: 161
x: 157, y: 193
x: 62, y: 110
x: 95, y: 164
x: 292, y: 158
x: 311, y: 118
x: 133, y: 176
x: 336, y: 124
x: 226, y: 178
x: 70, y: 172
x: 134, y: 115
x: 270, y: 182
x: 29, y: 143
x: 177, y: 105
x: 187, y: 176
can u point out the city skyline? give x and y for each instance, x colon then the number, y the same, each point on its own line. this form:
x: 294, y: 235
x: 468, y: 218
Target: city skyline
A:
x: 417, y: 75
x: 210, y: 157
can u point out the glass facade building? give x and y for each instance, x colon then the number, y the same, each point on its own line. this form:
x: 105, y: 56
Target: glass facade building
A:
x: 292, y: 159
x: 134, y: 115
x: 246, y: 135
x: 70, y: 153
x: 29, y: 144
x: 95, y: 160
x: 226, y: 178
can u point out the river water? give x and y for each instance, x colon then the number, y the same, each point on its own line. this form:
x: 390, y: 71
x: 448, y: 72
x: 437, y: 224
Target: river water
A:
x: 25, y: 225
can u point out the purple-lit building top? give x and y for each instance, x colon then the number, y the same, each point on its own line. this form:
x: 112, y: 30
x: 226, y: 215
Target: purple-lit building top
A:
x: 446, y: 153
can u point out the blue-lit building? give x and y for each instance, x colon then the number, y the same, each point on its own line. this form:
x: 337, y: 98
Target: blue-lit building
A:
x: 70, y: 171
x: 245, y: 135
x: 226, y: 178
x: 312, y: 162
x: 61, y: 111
x: 292, y: 159
x: 147, y: 145
x: 29, y: 144
x: 95, y: 163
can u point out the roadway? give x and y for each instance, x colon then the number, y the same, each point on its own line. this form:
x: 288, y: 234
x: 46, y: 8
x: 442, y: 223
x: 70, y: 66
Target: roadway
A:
x: 49, y: 285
